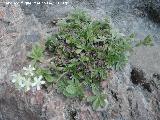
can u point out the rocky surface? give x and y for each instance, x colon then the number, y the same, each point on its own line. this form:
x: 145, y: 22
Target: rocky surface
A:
x: 152, y: 8
x: 17, y: 32
x: 147, y: 59
x: 133, y: 93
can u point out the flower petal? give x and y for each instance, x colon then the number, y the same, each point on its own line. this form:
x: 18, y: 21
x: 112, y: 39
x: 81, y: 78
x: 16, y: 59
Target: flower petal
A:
x: 38, y: 87
x: 27, y: 88
x: 43, y: 82
x: 33, y: 69
x: 24, y: 68
x: 35, y: 78
x: 14, y: 80
x: 33, y: 84
x: 22, y: 85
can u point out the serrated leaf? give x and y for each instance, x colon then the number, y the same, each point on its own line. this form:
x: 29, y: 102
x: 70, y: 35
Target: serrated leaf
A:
x: 96, y: 104
x: 91, y: 98
x: 50, y: 79
x: 71, y: 89
x: 78, y: 51
x: 102, y: 102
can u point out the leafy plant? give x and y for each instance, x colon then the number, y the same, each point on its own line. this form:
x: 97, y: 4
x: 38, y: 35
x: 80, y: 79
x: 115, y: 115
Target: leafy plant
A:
x: 98, y: 99
x: 148, y: 41
x: 73, y: 89
x: 85, y: 50
x: 47, y: 75
x: 36, y: 53
x: 33, y: 76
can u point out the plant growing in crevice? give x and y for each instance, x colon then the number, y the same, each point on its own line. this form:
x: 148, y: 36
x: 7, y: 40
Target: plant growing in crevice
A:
x: 85, y: 50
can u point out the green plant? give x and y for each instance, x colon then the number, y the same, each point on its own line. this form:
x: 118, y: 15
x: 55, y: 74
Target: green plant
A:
x: 98, y: 99
x: 73, y: 89
x: 36, y: 53
x: 85, y: 50
x: 148, y: 41
x: 47, y: 75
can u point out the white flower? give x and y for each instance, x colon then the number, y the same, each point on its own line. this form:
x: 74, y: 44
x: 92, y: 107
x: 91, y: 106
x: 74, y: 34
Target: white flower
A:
x: 38, y: 82
x: 28, y: 80
x: 21, y: 84
x: 29, y: 71
x: 19, y: 80
x: 28, y: 84
x: 16, y: 77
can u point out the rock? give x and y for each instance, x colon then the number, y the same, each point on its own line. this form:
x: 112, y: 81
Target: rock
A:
x: 152, y: 8
x: 14, y: 25
x: 145, y: 74
x: 147, y: 59
x: 132, y: 93
x: 17, y: 106
x: 128, y: 15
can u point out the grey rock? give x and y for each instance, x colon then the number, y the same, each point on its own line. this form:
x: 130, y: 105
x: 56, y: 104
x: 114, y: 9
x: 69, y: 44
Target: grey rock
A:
x: 32, y: 37
x: 147, y: 59
x: 152, y: 8
x: 16, y: 106
x: 139, y: 16
x: 133, y: 93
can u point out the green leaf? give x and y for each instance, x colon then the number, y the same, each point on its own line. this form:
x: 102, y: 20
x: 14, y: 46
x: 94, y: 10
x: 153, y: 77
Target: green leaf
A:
x: 91, y: 98
x: 71, y: 89
x: 78, y: 51
x: 51, y: 43
x: 46, y: 74
x: 96, y: 104
x: 97, y: 101
x: 84, y: 58
x: 148, y: 41
x: 95, y: 90
x: 62, y: 85
x: 50, y: 79
x: 102, y: 102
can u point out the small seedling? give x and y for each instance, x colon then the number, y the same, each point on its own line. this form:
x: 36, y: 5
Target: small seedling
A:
x: 36, y: 53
